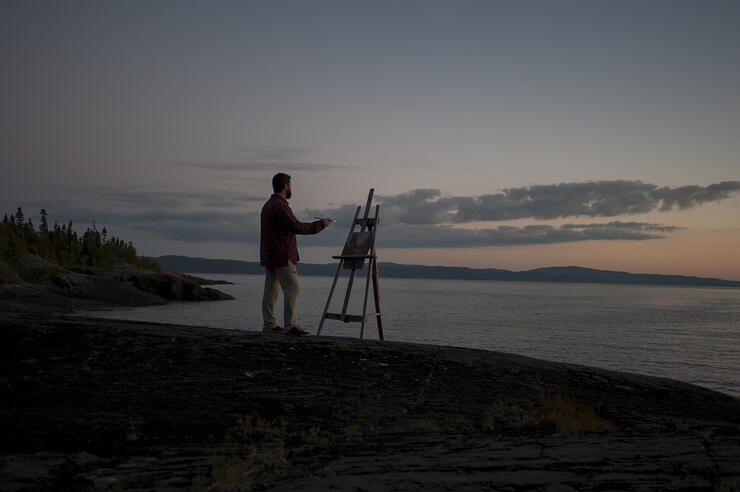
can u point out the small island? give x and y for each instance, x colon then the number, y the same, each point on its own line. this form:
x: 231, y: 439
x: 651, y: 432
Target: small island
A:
x: 105, y: 404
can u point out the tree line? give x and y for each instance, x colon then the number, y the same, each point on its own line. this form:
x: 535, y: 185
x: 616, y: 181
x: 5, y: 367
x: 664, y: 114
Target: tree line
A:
x: 62, y: 245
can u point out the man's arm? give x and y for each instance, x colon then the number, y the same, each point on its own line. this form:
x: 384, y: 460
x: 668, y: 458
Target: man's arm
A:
x: 287, y: 220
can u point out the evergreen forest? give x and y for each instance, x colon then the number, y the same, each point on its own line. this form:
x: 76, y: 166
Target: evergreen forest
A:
x: 63, y: 246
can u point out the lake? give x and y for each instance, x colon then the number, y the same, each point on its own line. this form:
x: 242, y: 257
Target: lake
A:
x: 690, y: 334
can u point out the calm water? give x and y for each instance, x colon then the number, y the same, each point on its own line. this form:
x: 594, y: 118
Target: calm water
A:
x: 686, y: 333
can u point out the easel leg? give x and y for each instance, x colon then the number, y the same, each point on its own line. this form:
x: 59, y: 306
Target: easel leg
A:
x: 349, y: 292
x: 376, y: 295
x: 328, y: 301
x: 364, y: 303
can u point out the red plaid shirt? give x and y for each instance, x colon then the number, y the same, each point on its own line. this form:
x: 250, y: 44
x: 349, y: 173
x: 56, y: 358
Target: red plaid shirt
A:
x: 279, y: 227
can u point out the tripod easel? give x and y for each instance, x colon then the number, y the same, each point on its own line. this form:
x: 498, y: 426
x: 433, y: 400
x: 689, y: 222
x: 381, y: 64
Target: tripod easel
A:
x: 360, y: 245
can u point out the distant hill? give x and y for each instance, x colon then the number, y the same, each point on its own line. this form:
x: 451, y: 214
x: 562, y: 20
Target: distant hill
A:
x: 395, y: 270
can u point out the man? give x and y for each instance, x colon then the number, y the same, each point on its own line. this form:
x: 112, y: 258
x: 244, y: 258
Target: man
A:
x: 279, y: 255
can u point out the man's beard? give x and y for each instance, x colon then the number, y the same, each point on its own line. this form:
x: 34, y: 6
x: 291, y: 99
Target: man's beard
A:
x: 288, y: 194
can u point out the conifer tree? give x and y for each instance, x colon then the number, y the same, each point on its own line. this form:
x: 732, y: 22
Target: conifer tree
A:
x: 44, y: 227
x: 19, y: 220
x: 63, y: 245
x: 29, y: 233
x: 69, y: 236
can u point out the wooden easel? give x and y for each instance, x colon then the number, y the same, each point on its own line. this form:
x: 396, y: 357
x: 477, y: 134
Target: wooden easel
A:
x: 360, y: 246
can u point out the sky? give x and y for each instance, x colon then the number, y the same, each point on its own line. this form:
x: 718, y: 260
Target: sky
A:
x: 496, y: 134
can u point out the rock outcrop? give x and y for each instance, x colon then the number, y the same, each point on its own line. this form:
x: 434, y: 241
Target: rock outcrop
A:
x: 125, y: 284
x: 123, y: 405
x: 8, y: 275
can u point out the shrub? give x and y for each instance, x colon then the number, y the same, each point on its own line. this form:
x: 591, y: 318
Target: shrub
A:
x: 561, y: 413
x: 571, y: 417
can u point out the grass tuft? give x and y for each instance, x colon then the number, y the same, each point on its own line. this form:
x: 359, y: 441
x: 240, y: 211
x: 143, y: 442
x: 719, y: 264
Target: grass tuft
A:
x: 257, y: 469
x: 414, y: 426
x: 571, y: 417
x: 253, y: 427
x: 504, y: 414
x: 564, y: 414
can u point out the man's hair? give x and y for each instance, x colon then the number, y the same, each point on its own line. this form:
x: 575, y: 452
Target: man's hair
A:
x: 279, y: 181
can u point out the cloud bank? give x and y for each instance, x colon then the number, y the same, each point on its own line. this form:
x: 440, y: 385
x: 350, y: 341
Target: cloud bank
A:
x: 591, y: 199
x: 421, y: 218
x: 266, y: 158
x: 545, y: 202
x: 450, y: 237
x: 271, y: 166
x: 230, y: 225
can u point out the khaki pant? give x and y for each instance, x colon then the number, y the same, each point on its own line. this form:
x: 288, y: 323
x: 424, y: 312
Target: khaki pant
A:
x: 280, y: 277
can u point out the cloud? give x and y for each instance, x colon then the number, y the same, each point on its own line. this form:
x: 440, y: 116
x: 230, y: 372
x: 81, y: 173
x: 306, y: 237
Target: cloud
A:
x: 691, y: 196
x: 591, y: 199
x: 266, y: 158
x: 201, y: 227
x: 136, y: 198
x: 547, y: 202
x: 341, y: 215
x: 422, y: 206
x: 271, y: 152
x: 421, y: 218
x: 451, y: 237
x: 410, y: 165
x: 418, y: 207
x: 194, y: 226
x: 182, y: 215
x: 179, y: 199
x: 272, y: 166
x: 243, y: 227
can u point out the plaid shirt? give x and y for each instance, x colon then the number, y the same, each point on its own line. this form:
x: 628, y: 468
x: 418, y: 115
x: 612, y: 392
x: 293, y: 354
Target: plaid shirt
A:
x: 279, y: 227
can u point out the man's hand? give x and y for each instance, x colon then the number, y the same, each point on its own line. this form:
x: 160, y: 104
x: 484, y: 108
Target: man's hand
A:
x: 324, y: 221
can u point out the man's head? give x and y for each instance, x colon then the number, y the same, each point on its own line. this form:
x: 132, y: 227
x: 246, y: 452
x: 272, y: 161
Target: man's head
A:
x: 280, y: 184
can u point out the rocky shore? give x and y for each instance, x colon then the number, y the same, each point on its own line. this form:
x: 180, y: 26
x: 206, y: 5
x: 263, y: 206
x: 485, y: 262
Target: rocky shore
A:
x: 37, y: 285
x: 124, y: 405
x: 98, y: 404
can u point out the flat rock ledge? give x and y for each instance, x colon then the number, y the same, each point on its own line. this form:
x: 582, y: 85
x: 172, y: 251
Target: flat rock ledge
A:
x: 90, y: 403
x: 37, y: 285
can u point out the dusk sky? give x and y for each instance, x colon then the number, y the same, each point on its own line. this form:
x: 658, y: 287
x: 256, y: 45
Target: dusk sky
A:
x: 516, y: 135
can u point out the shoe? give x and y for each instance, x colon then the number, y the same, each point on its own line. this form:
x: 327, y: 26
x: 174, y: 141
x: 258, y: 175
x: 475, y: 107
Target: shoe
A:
x: 273, y: 329
x: 297, y: 331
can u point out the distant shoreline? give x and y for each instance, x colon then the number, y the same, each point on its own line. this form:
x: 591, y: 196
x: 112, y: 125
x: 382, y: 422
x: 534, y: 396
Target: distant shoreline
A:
x: 569, y: 274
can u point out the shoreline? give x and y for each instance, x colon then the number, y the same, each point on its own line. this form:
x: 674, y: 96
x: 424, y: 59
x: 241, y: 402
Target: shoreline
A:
x: 99, y: 402
x: 207, y: 275
x: 707, y: 373
x: 90, y: 313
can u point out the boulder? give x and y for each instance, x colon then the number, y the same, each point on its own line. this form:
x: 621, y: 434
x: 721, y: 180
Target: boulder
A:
x: 33, y: 268
x: 104, y: 288
x: 61, y: 281
x: 172, y: 286
x: 19, y: 290
x: 7, y: 275
x: 166, y: 285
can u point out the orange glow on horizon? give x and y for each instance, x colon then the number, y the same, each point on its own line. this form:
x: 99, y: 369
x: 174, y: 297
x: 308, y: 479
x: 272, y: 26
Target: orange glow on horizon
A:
x: 705, y: 254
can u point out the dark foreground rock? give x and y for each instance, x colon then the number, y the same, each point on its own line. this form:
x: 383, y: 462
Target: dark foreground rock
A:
x: 100, y: 403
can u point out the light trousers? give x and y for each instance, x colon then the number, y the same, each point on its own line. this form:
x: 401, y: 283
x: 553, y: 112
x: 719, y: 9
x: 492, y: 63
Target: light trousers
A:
x: 276, y: 278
